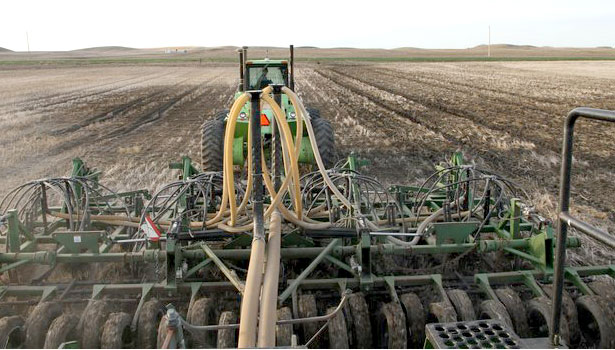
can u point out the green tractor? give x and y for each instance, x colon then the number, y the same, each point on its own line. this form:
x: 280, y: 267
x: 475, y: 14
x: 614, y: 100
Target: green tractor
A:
x: 256, y: 75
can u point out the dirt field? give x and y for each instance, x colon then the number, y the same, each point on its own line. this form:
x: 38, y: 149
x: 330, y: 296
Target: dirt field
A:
x: 131, y: 121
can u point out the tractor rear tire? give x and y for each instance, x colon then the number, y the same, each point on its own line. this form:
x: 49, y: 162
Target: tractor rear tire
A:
x: 221, y: 115
x: 314, y: 112
x: 325, y: 141
x: 212, y: 145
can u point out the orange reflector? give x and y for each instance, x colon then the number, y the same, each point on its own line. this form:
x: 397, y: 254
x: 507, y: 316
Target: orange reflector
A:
x: 264, y: 120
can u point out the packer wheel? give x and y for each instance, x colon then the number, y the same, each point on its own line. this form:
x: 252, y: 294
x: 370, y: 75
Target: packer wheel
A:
x: 569, y: 311
x: 443, y: 311
x: 596, y: 321
x: 62, y: 329
x: 116, y: 332
x: 150, y: 315
x: 12, y: 332
x: 202, y: 313
x: 462, y: 304
x: 338, y: 334
x: 391, y: 327
x: 284, y: 332
x: 493, y: 309
x: 227, y: 338
x: 92, y: 322
x: 38, y: 323
x: 539, y: 319
x: 361, y: 325
x: 415, y: 319
x: 516, y: 310
x: 602, y: 287
x: 307, y: 308
x: 162, y: 332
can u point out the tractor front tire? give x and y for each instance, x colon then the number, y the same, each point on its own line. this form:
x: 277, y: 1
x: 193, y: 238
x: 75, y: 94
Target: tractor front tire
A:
x: 212, y: 144
x: 325, y: 141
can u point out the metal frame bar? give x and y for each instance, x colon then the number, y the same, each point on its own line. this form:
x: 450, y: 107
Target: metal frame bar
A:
x: 565, y: 219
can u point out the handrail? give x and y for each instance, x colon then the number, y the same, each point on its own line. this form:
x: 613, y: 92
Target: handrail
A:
x: 564, y: 217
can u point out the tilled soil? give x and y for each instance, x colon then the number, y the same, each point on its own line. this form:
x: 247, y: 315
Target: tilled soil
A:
x: 131, y: 121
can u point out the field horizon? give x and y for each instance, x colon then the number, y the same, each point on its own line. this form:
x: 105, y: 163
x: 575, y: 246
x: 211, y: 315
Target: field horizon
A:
x: 120, y: 54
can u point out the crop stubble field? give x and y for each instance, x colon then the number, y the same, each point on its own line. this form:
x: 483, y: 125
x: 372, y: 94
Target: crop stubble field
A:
x: 132, y: 120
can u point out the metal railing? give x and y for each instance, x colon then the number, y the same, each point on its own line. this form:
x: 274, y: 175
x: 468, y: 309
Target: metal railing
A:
x: 565, y: 219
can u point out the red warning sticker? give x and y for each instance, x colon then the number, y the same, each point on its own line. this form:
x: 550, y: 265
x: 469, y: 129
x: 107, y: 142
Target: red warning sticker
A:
x: 151, y: 230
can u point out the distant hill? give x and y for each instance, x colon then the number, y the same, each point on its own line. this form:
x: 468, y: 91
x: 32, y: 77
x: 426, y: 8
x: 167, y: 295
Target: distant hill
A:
x: 505, y: 46
x: 2, y: 49
x: 105, y: 49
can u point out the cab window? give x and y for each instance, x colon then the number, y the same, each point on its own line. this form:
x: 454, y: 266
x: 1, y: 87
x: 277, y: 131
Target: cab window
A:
x: 260, y: 77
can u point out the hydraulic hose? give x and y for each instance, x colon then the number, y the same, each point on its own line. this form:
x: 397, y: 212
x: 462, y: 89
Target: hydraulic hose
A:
x: 229, y: 183
x: 321, y: 167
x: 269, y: 296
x: 250, y: 300
x: 423, y: 225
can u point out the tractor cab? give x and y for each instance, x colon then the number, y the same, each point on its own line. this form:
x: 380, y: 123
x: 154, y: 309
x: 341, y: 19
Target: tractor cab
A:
x: 257, y: 75
x: 261, y: 73
x: 254, y: 75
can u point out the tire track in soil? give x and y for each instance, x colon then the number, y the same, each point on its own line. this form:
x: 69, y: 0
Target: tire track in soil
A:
x: 518, y: 164
x: 149, y: 117
x: 183, y: 122
x: 116, y: 111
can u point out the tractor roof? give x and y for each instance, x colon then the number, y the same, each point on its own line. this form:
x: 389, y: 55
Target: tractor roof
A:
x: 266, y: 62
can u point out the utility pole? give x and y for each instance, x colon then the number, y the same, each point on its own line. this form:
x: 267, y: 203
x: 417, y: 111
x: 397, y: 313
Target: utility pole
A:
x: 28, y: 41
x: 489, y: 44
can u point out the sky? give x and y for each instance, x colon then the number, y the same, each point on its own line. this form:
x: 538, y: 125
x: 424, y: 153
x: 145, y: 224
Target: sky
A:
x: 68, y: 25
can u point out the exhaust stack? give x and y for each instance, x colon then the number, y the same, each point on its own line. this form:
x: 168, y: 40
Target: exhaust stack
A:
x: 291, y: 83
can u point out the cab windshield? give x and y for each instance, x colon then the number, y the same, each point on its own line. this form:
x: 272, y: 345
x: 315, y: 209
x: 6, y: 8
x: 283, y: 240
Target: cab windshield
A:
x: 262, y: 76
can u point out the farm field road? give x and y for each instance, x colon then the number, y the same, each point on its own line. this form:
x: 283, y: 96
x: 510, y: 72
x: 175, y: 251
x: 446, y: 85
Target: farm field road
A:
x: 131, y: 121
